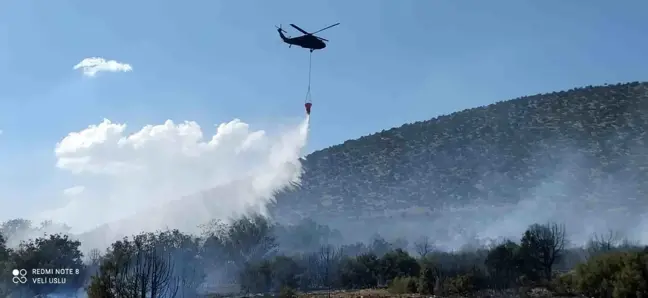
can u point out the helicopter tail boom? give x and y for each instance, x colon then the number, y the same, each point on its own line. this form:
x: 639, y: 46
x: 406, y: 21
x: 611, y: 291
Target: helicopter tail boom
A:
x: 281, y: 33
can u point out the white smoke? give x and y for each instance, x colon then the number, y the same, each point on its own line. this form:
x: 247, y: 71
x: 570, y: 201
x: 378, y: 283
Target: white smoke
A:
x: 143, y: 179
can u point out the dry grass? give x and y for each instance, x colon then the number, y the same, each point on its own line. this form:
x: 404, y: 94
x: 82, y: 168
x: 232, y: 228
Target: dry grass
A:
x: 376, y: 293
x: 381, y: 293
x: 366, y: 293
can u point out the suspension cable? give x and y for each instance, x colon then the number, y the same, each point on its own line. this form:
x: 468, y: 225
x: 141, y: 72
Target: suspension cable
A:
x: 310, y: 64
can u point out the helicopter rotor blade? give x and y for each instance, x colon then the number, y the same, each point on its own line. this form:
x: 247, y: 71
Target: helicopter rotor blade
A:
x: 326, y: 28
x: 323, y: 39
x: 300, y: 29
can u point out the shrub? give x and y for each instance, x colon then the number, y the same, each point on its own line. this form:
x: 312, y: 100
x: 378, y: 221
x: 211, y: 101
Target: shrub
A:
x: 632, y: 279
x: 564, y: 284
x: 360, y: 272
x: 287, y: 292
x: 615, y: 274
x: 403, y: 285
x: 427, y: 279
x: 398, y: 263
x: 595, y: 278
x: 503, y: 264
x: 460, y: 285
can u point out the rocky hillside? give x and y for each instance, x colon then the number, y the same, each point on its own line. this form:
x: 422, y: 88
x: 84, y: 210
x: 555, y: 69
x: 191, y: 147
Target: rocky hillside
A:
x: 589, y: 143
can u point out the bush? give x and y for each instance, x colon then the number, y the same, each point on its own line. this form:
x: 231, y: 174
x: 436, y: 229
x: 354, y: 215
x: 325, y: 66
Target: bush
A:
x: 360, y: 272
x: 564, y: 284
x: 460, y: 285
x: 615, y: 274
x: 398, y: 263
x: 427, y: 279
x: 503, y: 264
x: 287, y: 292
x: 403, y: 285
x: 632, y: 280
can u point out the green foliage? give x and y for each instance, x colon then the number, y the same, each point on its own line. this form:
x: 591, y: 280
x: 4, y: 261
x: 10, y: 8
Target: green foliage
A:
x: 428, y: 277
x: 460, y: 285
x: 541, y: 247
x: 287, y: 292
x: 305, y: 236
x: 256, y: 277
x: 285, y: 272
x: 5, y: 268
x: 615, y: 274
x: 564, y: 284
x: 504, y: 264
x: 51, y: 252
x: 456, y: 263
x: 149, y: 264
x: 596, y: 277
x: 398, y: 263
x: 173, y: 264
x: 273, y: 275
x: 360, y: 272
x: 379, y: 246
x: 632, y: 280
x: 403, y: 285
x: 248, y: 239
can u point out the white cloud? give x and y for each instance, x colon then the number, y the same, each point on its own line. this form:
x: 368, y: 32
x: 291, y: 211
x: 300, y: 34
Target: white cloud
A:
x: 73, y: 191
x: 127, y: 173
x: 94, y: 65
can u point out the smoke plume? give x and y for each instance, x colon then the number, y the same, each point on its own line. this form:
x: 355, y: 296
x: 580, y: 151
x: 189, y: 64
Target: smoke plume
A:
x: 171, y: 176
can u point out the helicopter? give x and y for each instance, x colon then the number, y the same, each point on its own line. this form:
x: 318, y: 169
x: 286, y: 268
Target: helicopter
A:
x: 307, y: 41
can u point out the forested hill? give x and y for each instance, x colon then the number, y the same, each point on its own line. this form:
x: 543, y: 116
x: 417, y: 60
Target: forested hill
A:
x: 589, y: 142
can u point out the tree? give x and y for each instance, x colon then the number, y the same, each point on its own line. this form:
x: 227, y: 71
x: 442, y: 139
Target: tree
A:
x: 4, y: 251
x: 214, y: 256
x: 5, y: 268
x: 152, y: 271
x: 16, y: 230
x: 602, y: 243
x: 185, y: 252
x: 142, y: 267
x: 503, y: 264
x: 306, y: 236
x: 360, y: 272
x: 429, y: 278
x: 398, y: 263
x: 614, y: 274
x: 285, y: 273
x: 249, y: 239
x: 423, y: 246
x: 50, y: 227
x: 256, y: 277
x: 328, y: 263
x: 541, y: 247
x: 233, y: 248
x: 379, y: 246
x: 53, y: 252
x: 354, y: 249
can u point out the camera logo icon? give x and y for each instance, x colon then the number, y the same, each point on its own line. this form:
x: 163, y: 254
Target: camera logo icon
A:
x: 19, y: 276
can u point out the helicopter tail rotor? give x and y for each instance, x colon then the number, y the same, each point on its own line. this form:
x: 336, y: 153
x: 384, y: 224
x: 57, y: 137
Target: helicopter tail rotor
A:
x: 280, y: 29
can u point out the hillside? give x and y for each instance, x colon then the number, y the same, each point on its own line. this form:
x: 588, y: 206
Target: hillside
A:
x: 471, y: 173
x: 587, y: 142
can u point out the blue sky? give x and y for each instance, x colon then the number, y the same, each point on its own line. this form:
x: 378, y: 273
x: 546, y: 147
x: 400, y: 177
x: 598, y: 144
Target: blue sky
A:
x: 388, y: 63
